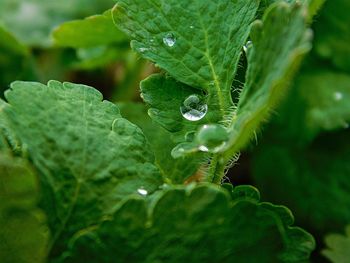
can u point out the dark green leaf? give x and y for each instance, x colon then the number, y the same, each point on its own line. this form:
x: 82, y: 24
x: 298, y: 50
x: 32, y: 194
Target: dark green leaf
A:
x: 23, y: 234
x: 200, y: 224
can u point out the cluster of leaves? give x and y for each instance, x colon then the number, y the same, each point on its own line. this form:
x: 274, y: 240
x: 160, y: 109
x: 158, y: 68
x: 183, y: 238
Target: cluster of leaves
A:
x: 84, y: 179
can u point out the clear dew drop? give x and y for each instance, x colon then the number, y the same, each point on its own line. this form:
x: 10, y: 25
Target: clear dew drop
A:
x: 191, y: 27
x: 247, y: 46
x: 338, y: 96
x: 212, y: 138
x: 194, y: 108
x: 143, y: 49
x: 169, y: 40
x: 142, y: 191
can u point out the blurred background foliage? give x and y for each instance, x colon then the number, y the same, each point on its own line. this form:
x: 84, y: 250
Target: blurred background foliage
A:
x: 301, y: 158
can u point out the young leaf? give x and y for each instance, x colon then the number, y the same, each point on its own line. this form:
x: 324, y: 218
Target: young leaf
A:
x: 338, y: 250
x: 198, y: 42
x: 200, y: 224
x: 162, y: 142
x: 88, y: 156
x: 279, y: 42
x: 23, y: 233
x: 166, y: 97
x: 93, y: 31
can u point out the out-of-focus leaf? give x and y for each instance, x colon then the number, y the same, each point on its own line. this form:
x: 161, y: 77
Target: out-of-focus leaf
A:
x: 12, y: 58
x: 195, y: 224
x: 312, y: 178
x: 23, y: 234
x: 97, y: 30
x: 88, y: 156
x: 338, y: 247
x: 332, y: 33
x: 31, y: 21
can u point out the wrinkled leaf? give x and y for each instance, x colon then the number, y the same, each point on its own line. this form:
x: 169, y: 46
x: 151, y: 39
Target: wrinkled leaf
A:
x: 198, y: 42
x: 88, y: 156
x: 201, y: 224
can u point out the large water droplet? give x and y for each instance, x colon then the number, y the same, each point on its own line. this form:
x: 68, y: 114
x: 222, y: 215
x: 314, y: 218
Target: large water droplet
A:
x: 194, y: 108
x: 169, y: 40
x: 338, y: 96
x: 247, y: 46
x: 212, y: 138
x: 142, y: 191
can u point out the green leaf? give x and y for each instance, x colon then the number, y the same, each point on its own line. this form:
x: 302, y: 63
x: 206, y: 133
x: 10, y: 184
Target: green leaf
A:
x: 279, y: 43
x: 162, y: 142
x: 338, y: 250
x: 332, y: 33
x: 12, y: 58
x: 165, y: 97
x: 198, y: 43
x: 298, y: 176
x: 195, y: 224
x: 93, y: 31
x: 31, y: 21
x: 326, y: 95
x: 23, y: 233
x: 88, y: 156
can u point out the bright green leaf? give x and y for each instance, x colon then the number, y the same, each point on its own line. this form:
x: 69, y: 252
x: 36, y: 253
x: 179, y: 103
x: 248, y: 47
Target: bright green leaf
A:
x: 93, y: 31
x: 200, y: 224
x: 198, y: 43
x: 88, y: 156
x: 23, y: 234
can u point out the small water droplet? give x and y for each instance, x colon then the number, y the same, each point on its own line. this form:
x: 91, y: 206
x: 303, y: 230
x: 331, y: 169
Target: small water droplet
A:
x: 142, y: 191
x: 191, y: 27
x: 338, y: 96
x: 247, y: 46
x: 212, y: 138
x: 194, y: 108
x: 203, y: 148
x: 169, y: 40
x: 143, y: 49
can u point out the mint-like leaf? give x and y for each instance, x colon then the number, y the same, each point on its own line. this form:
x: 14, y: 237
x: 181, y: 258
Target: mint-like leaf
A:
x: 88, y: 156
x: 198, y: 42
x: 279, y: 42
x: 162, y: 142
x: 203, y: 219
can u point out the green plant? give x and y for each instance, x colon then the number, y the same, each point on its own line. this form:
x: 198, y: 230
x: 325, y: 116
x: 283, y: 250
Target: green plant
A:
x: 117, y: 186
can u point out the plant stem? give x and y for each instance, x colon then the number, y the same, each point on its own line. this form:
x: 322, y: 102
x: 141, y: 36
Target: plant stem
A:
x: 216, y: 169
